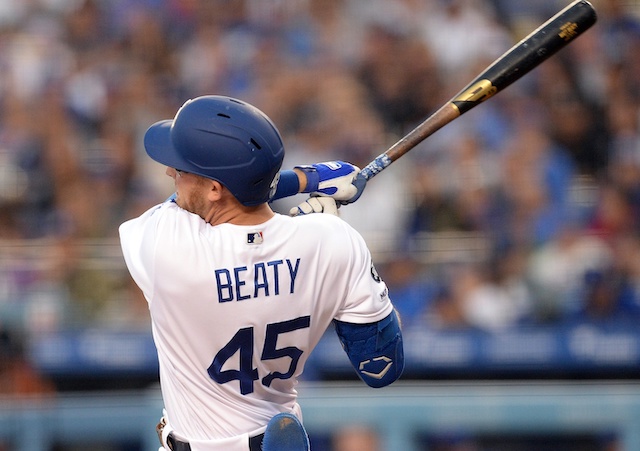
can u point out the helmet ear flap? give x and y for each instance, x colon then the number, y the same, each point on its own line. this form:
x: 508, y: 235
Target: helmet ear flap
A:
x: 224, y: 139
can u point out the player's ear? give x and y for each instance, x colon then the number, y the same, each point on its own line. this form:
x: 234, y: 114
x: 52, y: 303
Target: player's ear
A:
x: 215, y: 190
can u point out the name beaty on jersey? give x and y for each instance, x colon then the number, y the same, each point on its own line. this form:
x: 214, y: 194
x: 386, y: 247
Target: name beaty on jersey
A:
x: 262, y: 279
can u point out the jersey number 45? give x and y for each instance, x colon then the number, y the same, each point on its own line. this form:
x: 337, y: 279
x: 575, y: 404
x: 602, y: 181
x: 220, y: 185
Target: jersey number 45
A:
x: 242, y: 343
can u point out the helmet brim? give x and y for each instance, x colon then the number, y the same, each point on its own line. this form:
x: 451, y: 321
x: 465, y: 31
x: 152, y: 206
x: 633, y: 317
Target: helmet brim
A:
x: 159, y: 146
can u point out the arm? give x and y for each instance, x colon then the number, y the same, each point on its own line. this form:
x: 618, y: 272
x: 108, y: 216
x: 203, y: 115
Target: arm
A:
x: 336, y: 179
x: 289, y: 184
x: 375, y: 349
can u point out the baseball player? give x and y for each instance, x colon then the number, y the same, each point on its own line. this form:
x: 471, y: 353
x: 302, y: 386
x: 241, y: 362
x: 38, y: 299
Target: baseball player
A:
x: 239, y: 296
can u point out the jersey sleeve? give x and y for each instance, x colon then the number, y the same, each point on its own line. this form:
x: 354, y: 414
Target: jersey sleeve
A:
x: 138, y: 240
x: 367, y: 299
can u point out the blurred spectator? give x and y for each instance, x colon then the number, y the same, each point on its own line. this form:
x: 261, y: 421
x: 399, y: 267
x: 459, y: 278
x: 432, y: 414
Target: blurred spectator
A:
x: 537, y: 175
x: 484, y: 303
x: 26, y: 194
x: 492, y: 297
x: 613, y: 213
x: 453, y: 188
x: 557, y: 271
x: 463, y: 35
x: 410, y: 287
x: 446, y: 311
x: 453, y: 441
x: 626, y: 252
x: 400, y: 75
x: 609, y: 293
x: 356, y: 438
x: 624, y: 164
x: 17, y: 376
x: 604, y: 298
x: 573, y: 122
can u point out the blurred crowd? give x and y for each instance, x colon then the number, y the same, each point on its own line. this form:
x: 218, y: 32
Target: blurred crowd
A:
x: 525, y: 210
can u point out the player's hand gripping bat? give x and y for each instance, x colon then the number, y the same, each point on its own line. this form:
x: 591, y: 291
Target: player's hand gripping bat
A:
x: 530, y: 52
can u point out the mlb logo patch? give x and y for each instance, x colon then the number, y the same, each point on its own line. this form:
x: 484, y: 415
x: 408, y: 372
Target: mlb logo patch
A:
x: 254, y: 238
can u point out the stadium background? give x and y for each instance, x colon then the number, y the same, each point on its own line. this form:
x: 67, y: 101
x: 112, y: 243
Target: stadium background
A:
x: 509, y: 240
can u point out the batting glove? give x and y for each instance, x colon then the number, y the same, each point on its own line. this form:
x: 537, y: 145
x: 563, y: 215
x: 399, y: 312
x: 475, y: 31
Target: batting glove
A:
x: 316, y: 205
x: 335, y: 179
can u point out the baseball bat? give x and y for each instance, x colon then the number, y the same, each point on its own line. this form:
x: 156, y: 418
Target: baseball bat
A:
x: 527, y: 54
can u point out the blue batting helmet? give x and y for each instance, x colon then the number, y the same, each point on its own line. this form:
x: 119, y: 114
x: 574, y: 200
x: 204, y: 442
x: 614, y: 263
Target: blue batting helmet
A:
x: 223, y: 139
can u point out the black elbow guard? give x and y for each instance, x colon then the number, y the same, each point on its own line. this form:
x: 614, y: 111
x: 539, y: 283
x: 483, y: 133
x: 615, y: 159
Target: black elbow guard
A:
x: 375, y: 350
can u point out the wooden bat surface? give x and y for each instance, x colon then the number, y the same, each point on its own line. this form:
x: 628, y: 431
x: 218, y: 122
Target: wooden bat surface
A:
x: 530, y: 52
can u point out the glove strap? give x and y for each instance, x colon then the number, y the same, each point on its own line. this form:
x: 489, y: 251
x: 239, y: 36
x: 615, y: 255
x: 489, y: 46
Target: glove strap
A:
x: 313, y: 178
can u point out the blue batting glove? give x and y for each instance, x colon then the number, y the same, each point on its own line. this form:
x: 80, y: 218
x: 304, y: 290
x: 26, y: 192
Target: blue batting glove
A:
x: 333, y: 179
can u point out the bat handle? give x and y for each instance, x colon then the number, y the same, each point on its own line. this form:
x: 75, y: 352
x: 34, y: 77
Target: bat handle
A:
x: 447, y: 113
x: 376, y: 166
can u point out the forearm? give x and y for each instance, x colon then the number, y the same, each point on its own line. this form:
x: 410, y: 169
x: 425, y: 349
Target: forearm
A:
x: 336, y: 179
x: 291, y: 183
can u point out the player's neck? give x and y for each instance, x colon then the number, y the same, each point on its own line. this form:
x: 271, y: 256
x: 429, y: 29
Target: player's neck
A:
x: 240, y: 215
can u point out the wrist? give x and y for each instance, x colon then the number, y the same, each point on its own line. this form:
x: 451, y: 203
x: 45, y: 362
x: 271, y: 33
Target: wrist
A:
x: 302, y: 179
x: 308, y: 177
x: 288, y: 185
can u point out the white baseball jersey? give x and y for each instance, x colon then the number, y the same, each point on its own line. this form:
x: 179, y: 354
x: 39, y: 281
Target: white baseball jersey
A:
x: 236, y: 310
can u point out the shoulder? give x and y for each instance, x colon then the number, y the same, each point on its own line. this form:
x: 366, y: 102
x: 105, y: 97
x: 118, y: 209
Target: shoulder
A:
x: 323, y: 224
x: 335, y: 236
x: 322, y: 220
x: 163, y: 221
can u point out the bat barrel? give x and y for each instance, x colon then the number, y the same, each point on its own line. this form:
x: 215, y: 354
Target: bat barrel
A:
x: 529, y: 53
